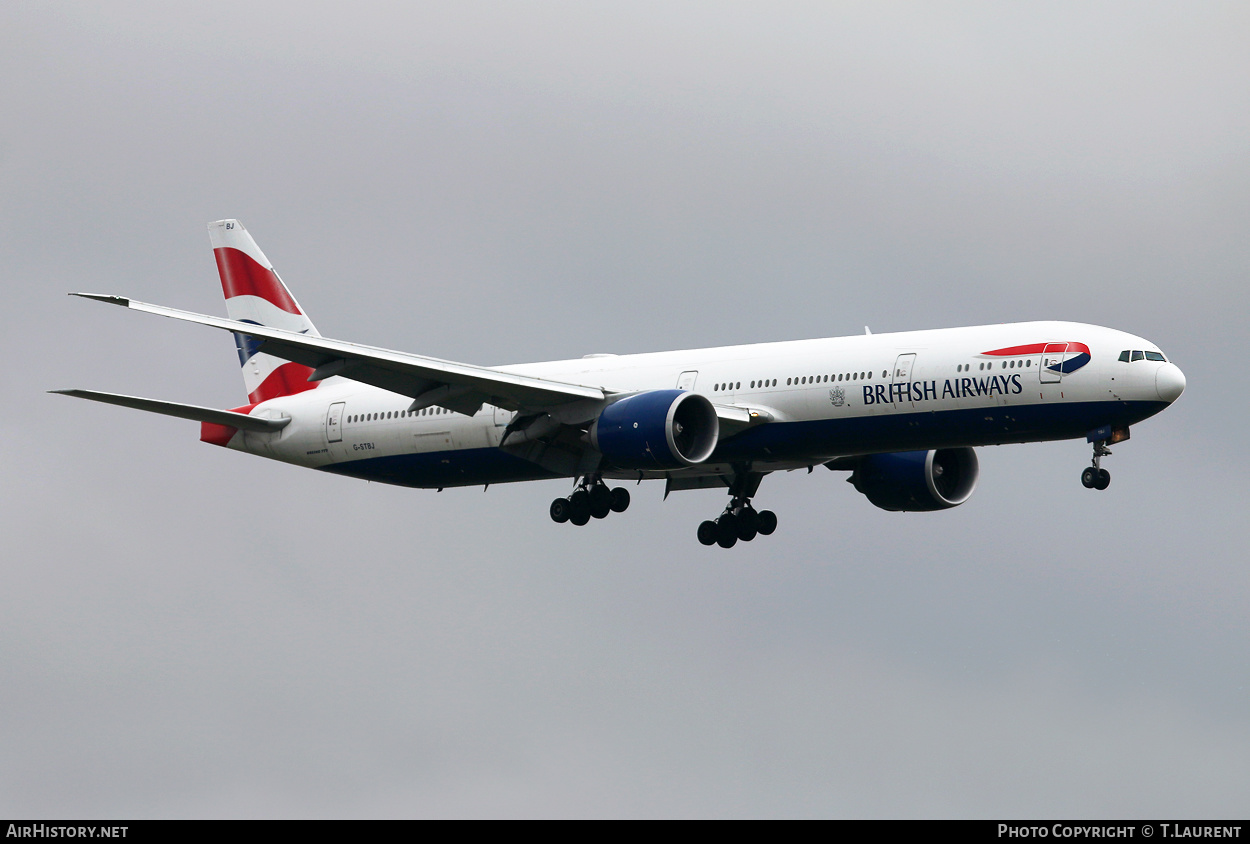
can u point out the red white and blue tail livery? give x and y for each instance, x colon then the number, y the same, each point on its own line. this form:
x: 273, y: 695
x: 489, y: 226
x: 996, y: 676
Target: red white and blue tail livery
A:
x: 901, y: 412
x: 256, y: 295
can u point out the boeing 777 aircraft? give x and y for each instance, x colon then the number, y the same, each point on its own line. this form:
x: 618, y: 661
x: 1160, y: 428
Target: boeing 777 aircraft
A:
x: 901, y: 412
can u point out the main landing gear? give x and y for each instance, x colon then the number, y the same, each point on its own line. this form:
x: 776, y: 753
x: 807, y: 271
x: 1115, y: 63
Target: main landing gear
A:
x: 592, y: 499
x: 739, y: 521
x: 1096, y: 477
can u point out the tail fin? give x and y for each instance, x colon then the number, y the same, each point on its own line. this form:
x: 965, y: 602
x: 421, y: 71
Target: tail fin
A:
x: 254, y: 293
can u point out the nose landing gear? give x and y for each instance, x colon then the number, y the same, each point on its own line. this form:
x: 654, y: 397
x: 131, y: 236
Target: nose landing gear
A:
x: 1096, y: 477
x: 592, y: 499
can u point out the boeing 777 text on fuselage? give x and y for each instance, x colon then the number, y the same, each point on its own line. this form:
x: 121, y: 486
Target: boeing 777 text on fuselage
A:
x: 901, y: 412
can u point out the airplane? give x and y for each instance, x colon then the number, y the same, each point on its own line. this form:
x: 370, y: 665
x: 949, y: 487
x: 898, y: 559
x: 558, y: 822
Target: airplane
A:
x: 902, y: 412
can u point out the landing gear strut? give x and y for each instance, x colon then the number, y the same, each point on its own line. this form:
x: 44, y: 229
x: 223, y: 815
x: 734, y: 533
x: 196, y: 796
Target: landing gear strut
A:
x: 1096, y: 477
x: 592, y: 499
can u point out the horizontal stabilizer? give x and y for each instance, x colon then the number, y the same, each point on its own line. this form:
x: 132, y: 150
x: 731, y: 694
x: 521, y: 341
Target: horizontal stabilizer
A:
x: 402, y: 373
x: 183, y: 411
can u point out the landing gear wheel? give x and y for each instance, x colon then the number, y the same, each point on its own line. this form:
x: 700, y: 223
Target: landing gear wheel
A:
x: 620, y: 499
x: 707, y: 533
x: 560, y: 511
x: 1089, y: 478
x: 767, y: 522
x: 600, y: 501
x: 727, y: 531
x: 579, y: 508
x: 748, y: 524
x: 1104, y: 480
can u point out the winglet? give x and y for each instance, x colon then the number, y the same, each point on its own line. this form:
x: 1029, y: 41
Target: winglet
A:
x: 104, y: 297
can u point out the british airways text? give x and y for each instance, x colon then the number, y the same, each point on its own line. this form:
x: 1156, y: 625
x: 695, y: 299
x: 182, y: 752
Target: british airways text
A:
x: 957, y: 388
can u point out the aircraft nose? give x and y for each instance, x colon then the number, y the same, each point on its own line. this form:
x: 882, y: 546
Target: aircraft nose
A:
x: 1169, y: 382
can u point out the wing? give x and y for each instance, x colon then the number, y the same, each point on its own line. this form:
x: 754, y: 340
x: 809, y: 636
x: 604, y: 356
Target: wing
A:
x: 428, y: 381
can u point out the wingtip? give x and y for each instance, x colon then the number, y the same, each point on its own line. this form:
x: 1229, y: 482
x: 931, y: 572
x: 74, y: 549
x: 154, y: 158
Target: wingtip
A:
x: 104, y: 297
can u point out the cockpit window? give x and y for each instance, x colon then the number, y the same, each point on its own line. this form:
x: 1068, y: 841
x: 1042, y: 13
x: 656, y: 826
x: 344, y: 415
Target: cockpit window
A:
x: 1126, y: 356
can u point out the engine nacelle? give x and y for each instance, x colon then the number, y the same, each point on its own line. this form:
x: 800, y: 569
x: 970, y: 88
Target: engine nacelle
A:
x: 918, y: 480
x: 659, y: 429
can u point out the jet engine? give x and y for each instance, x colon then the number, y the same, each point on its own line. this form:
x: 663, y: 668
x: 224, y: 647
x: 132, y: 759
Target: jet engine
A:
x: 917, y: 480
x: 659, y: 429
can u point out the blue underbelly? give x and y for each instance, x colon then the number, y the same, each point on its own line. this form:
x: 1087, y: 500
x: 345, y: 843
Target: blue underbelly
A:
x: 788, y: 441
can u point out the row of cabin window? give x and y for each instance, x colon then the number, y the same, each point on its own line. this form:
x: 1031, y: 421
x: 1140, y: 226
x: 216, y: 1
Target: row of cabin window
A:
x: 395, y: 414
x: 1007, y: 364
x: 857, y: 376
x: 1127, y: 356
x: 790, y: 382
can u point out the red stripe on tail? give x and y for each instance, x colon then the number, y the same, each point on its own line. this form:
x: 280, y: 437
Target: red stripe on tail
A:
x: 214, y: 434
x: 242, y: 276
x: 286, y: 380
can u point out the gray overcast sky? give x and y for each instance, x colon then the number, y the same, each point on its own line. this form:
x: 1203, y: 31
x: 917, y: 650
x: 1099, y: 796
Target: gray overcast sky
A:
x: 186, y: 631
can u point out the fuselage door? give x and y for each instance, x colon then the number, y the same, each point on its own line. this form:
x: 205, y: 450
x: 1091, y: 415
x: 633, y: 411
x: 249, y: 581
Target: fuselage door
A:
x: 902, y: 375
x: 1052, y: 355
x: 334, y: 422
x: 687, y: 379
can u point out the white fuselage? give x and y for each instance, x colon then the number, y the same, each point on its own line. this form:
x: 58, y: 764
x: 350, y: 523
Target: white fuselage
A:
x: 822, y: 399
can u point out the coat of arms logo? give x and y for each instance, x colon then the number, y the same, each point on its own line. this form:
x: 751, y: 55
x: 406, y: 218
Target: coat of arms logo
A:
x: 837, y: 398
